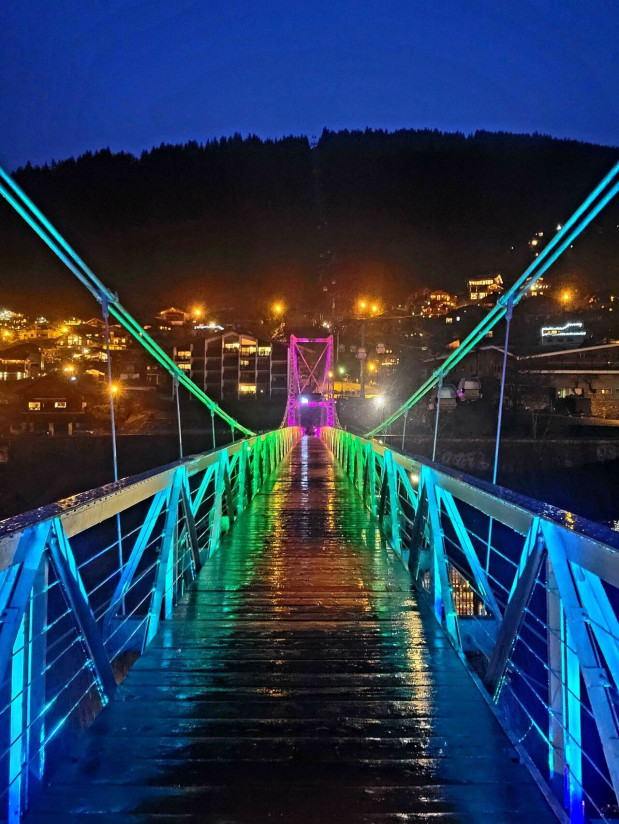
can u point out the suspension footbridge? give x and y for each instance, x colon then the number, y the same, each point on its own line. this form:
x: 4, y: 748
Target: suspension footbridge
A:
x: 307, y: 626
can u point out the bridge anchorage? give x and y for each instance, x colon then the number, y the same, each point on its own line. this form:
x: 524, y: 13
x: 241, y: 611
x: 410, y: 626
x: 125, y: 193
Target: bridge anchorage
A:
x: 311, y: 402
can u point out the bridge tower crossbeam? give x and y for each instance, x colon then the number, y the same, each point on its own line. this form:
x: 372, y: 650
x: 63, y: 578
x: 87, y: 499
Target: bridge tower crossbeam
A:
x: 310, y: 384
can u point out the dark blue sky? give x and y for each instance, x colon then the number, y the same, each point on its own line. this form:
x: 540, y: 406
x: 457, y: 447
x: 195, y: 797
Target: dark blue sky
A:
x: 84, y: 74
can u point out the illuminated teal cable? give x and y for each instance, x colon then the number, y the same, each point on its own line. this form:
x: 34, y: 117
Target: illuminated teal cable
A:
x: 24, y: 206
x: 562, y: 239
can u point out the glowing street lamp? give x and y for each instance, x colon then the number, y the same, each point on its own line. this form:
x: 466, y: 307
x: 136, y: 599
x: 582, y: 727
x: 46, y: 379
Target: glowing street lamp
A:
x: 278, y: 308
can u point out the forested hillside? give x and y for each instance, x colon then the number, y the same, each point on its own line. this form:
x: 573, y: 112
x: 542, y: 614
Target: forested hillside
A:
x: 236, y: 219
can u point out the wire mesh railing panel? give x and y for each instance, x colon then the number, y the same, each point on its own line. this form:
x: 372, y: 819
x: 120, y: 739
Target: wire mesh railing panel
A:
x: 528, y: 595
x: 84, y: 585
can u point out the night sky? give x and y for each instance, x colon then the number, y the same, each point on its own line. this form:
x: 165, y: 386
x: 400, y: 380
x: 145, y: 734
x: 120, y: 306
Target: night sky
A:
x: 84, y: 75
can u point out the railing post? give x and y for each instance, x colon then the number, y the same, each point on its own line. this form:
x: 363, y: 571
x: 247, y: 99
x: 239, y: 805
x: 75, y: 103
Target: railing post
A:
x: 164, y: 586
x: 37, y: 655
x: 554, y: 631
x: 27, y: 714
x: 594, y: 674
x: 444, y: 607
x: 564, y: 722
x: 17, y: 724
x: 241, y: 480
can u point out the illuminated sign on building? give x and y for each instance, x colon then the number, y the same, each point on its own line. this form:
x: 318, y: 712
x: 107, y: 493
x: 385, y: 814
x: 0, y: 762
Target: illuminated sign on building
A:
x: 572, y: 329
x: 563, y: 334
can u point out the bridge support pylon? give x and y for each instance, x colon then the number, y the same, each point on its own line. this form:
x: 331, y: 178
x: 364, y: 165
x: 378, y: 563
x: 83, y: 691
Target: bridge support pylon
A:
x: 311, y: 400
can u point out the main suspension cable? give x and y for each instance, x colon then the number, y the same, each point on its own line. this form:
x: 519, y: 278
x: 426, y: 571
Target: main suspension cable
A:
x: 33, y: 216
x: 603, y: 193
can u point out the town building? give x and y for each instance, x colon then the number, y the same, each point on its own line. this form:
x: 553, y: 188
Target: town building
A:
x: 484, y: 287
x: 438, y: 303
x: 52, y: 404
x: 171, y: 317
x: 563, y: 334
x: 538, y: 290
x: 588, y: 372
x: 20, y: 361
x: 583, y: 379
x: 235, y: 365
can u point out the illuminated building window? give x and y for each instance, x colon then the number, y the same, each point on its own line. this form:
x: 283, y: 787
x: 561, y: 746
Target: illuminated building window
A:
x: 244, y: 361
x: 264, y: 351
x: 247, y: 388
x: 34, y: 406
x: 185, y: 367
x: 231, y: 346
x: 60, y: 404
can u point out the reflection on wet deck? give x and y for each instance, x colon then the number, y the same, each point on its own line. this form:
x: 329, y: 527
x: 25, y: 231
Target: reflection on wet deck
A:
x: 300, y: 681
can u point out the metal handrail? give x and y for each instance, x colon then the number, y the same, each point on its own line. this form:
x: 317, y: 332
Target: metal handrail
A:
x: 75, y: 611
x: 531, y: 603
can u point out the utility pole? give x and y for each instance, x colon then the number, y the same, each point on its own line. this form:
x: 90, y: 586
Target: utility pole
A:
x: 362, y: 354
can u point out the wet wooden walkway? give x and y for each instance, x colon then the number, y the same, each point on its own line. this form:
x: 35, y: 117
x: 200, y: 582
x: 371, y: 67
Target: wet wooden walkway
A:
x: 300, y: 681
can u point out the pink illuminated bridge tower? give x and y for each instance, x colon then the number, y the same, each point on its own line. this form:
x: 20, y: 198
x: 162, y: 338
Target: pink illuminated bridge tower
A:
x: 310, y: 383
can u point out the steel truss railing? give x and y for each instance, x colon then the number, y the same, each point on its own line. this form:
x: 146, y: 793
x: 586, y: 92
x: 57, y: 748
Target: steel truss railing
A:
x: 528, y: 595
x: 73, y: 617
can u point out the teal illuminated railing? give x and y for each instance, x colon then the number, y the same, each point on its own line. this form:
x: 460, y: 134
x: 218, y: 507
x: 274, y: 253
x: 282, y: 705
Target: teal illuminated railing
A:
x: 528, y: 594
x: 73, y: 615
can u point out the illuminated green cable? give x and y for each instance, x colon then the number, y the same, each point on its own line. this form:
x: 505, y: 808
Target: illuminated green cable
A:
x: 563, y: 239
x: 24, y: 206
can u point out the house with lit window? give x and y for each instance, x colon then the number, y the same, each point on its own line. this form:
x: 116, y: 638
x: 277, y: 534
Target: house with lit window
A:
x: 484, y: 287
x: 235, y: 365
x: 171, y: 317
x: 23, y: 360
x: 52, y: 404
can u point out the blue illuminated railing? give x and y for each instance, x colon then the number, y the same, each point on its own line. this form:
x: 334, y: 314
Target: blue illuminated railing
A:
x: 528, y: 594
x: 78, y: 604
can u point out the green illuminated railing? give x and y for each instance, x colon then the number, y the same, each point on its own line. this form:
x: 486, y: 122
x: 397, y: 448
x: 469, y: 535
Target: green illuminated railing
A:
x: 78, y: 603
x: 528, y: 594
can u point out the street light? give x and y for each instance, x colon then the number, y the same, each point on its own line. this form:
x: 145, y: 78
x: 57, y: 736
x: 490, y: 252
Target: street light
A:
x: 278, y: 308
